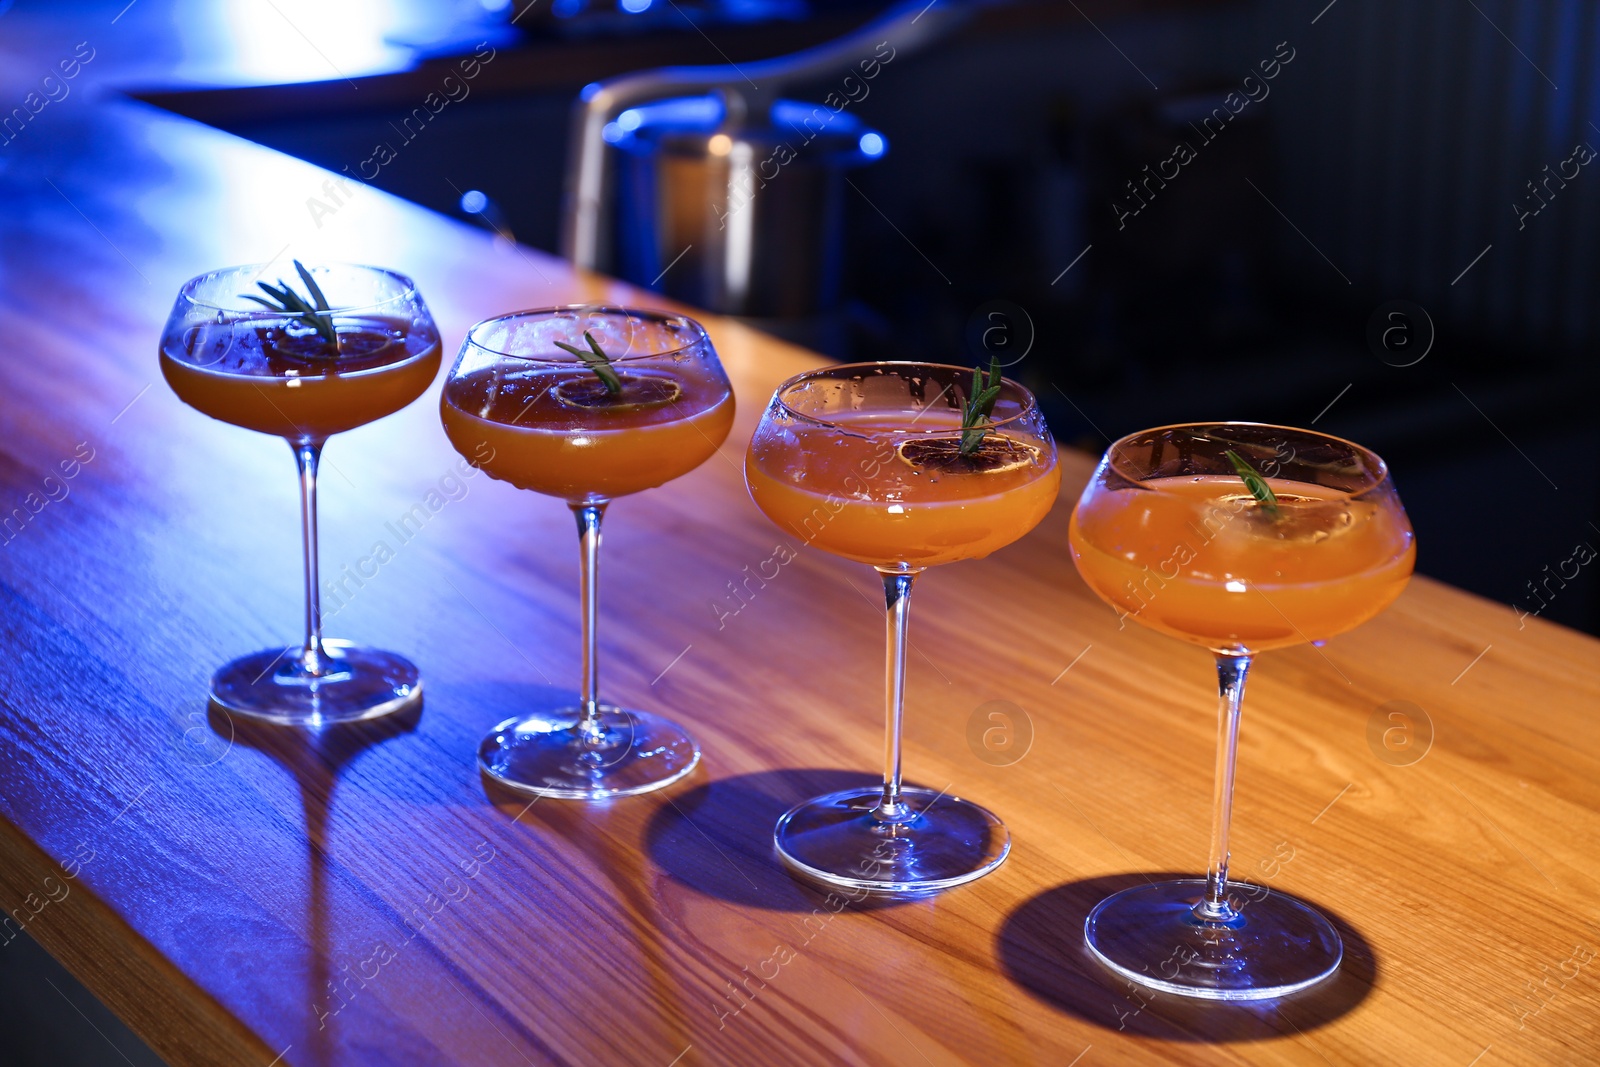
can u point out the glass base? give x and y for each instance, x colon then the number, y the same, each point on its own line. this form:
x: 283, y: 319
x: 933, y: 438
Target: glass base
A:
x: 1275, y: 946
x: 357, y: 683
x: 838, y: 840
x: 547, y: 755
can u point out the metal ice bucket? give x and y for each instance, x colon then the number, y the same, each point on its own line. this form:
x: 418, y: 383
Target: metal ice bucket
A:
x: 692, y: 181
x: 741, y: 219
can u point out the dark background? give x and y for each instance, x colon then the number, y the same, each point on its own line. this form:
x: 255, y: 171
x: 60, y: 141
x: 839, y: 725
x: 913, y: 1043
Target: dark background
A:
x: 1387, y: 157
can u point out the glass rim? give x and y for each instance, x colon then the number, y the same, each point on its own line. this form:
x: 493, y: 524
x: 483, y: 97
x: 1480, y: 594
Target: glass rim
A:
x: 656, y: 315
x: 1030, y: 404
x: 408, y: 288
x: 1114, y: 458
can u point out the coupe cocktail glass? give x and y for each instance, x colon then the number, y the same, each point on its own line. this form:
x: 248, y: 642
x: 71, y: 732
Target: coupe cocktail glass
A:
x: 864, y: 461
x: 275, y: 372
x: 527, y: 411
x: 1170, y: 535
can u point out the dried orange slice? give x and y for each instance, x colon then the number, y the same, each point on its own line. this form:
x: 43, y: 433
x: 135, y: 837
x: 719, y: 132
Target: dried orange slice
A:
x: 638, y: 391
x: 356, y: 342
x: 996, y: 453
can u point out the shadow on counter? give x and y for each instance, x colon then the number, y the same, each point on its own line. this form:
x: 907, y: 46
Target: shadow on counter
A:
x: 717, y: 838
x: 1040, y: 947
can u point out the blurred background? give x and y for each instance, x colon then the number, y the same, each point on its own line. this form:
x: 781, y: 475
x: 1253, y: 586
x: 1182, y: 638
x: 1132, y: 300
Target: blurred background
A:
x: 1375, y: 219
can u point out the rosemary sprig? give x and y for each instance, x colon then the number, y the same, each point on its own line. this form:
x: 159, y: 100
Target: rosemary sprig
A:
x: 596, y: 360
x: 980, y: 402
x: 1255, y: 483
x: 314, y: 312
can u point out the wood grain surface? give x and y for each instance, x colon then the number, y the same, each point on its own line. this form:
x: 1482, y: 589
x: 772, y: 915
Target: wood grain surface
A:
x: 246, y: 895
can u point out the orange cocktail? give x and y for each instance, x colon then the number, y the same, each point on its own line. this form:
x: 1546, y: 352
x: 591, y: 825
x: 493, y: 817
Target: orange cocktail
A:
x: 901, y: 466
x: 557, y: 431
x: 1197, y: 558
x: 303, y: 357
x: 587, y: 404
x: 1239, y: 537
x: 864, y: 489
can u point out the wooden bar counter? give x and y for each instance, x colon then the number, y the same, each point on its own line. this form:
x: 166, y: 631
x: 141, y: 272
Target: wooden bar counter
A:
x: 249, y: 895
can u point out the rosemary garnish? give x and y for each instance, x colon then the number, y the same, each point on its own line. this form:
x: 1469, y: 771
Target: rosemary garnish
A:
x: 314, y: 312
x: 596, y: 360
x: 1255, y: 483
x: 980, y: 402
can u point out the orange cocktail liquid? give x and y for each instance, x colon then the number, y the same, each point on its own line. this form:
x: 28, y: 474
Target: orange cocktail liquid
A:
x: 860, y: 497
x: 557, y: 432
x: 1199, y: 559
x: 265, y: 379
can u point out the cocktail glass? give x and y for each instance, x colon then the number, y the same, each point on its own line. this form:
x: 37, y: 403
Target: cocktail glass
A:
x: 276, y: 373
x: 1170, y: 534
x: 527, y: 411
x: 864, y: 461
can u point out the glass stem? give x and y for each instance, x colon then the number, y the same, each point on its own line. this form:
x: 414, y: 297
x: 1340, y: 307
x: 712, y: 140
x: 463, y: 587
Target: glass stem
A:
x: 589, y: 515
x: 1231, y: 672
x: 313, y: 660
x: 897, y: 598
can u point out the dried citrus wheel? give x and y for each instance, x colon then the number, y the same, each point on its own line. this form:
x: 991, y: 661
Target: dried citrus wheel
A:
x: 638, y: 391
x: 356, y: 341
x: 995, y: 453
x: 1302, y: 518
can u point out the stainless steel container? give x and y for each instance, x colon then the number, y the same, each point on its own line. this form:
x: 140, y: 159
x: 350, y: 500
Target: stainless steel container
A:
x: 693, y: 181
x: 740, y: 218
